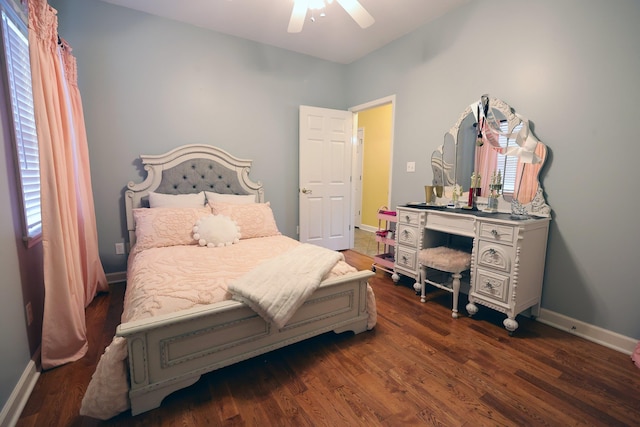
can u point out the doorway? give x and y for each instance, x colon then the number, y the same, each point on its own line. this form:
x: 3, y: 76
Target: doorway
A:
x: 372, y: 160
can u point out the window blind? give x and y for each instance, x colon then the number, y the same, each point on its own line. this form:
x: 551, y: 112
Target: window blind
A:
x: 16, y: 48
x: 508, y: 165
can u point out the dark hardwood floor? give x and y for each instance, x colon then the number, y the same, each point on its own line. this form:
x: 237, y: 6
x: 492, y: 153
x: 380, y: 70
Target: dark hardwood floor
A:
x: 419, y: 366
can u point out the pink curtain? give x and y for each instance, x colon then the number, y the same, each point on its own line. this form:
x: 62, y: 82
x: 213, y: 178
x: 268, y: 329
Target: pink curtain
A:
x: 527, y: 177
x: 93, y: 275
x: 487, y: 163
x: 72, y: 270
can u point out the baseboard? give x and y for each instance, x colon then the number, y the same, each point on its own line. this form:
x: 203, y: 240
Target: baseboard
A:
x: 589, y: 332
x: 367, y: 228
x: 13, y: 408
x: 117, y: 277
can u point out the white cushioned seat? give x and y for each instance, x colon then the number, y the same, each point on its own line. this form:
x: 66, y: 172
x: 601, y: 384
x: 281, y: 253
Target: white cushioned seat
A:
x: 446, y: 259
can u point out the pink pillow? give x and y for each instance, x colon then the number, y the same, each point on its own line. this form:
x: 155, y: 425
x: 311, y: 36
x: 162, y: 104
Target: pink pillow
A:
x: 159, y: 227
x: 254, y: 220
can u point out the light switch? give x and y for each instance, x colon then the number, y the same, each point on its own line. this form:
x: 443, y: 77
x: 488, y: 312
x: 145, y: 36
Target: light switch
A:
x: 411, y: 166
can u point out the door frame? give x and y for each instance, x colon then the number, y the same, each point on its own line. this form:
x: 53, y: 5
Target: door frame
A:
x: 358, y: 158
x: 391, y: 99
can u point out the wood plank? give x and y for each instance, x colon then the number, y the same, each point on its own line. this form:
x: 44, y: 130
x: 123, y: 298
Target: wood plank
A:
x: 419, y: 366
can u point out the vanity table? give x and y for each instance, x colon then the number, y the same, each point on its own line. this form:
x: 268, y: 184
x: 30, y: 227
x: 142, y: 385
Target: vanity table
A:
x: 505, y: 231
x: 507, y: 255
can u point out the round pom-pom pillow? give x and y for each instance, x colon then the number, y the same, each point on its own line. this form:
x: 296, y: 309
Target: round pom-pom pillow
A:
x: 216, y: 231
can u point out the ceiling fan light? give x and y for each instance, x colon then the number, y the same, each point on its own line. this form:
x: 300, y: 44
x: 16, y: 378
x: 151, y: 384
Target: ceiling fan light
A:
x: 302, y: 7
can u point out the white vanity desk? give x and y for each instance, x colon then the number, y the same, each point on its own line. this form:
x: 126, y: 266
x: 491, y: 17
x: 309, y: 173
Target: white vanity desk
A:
x: 493, y: 150
x: 507, y: 255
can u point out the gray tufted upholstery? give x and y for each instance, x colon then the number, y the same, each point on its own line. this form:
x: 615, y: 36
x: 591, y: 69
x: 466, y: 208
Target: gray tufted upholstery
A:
x: 193, y: 176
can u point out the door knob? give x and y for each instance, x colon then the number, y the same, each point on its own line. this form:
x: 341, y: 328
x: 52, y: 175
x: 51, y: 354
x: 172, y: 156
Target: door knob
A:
x: 305, y: 191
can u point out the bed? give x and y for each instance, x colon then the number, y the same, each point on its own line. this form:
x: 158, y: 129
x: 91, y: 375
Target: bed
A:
x: 188, y: 306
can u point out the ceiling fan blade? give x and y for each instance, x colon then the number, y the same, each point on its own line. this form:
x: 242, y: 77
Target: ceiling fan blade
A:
x: 357, y: 12
x: 298, y: 14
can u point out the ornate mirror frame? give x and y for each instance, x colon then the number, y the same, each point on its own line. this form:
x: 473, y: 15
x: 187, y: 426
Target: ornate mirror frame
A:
x: 452, y: 162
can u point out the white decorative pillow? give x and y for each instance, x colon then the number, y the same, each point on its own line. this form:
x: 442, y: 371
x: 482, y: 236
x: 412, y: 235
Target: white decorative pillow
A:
x: 236, y: 199
x: 216, y: 231
x: 161, y: 227
x: 159, y: 200
x: 254, y: 220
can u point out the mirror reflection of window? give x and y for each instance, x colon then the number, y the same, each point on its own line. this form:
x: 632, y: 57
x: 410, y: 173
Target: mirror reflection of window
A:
x: 507, y: 165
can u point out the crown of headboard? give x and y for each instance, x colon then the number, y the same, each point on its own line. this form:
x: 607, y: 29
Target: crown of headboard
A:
x: 190, y: 169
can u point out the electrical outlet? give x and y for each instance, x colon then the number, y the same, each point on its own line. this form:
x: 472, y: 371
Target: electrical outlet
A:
x: 29, y: 312
x: 411, y: 166
x: 119, y: 248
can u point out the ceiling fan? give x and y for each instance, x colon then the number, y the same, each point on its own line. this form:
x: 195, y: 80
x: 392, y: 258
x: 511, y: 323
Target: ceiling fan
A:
x: 352, y: 7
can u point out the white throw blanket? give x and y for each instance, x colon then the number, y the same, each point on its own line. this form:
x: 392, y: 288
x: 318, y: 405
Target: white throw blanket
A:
x: 276, y: 288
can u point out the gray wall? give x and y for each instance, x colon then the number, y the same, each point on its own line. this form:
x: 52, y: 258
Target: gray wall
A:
x: 14, y: 351
x: 571, y: 66
x: 151, y: 84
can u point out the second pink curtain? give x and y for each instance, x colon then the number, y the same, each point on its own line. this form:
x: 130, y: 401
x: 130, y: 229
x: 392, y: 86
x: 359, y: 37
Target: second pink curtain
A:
x: 527, y: 177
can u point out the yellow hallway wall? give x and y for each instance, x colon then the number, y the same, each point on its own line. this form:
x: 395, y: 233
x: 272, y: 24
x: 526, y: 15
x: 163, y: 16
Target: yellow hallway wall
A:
x: 376, y: 123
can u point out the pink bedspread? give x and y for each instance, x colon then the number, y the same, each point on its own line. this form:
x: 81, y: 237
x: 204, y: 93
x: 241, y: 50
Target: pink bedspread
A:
x: 165, y: 280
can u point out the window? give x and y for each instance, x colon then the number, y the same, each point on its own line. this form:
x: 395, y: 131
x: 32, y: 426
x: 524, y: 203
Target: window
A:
x: 18, y: 82
x: 507, y: 165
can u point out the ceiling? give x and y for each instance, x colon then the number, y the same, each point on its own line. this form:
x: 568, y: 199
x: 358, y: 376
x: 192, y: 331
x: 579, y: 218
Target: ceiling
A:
x: 335, y: 37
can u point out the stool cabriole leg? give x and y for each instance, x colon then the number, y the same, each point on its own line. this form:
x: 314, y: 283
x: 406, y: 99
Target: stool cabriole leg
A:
x: 456, y: 291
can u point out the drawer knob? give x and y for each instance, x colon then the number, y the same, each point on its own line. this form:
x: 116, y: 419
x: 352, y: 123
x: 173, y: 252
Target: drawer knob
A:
x: 492, y: 251
x: 495, y: 233
x: 408, y: 218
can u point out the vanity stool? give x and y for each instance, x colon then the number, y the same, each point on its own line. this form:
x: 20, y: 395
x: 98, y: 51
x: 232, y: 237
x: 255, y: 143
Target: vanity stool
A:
x: 443, y: 258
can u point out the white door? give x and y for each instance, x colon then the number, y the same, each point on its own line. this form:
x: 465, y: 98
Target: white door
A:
x: 325, y: 177
x: 357, y: 178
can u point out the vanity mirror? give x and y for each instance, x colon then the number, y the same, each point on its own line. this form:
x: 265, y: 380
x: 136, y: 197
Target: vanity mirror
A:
x: 492, y: 141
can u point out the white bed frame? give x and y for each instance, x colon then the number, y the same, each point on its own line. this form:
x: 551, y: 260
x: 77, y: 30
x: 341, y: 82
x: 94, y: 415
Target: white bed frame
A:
x: 170, y: 352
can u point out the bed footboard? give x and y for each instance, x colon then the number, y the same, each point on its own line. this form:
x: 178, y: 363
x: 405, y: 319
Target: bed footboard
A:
x: 170, y: 352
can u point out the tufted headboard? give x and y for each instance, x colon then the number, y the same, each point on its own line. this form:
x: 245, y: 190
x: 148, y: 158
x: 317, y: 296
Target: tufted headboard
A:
x: 190, y: 169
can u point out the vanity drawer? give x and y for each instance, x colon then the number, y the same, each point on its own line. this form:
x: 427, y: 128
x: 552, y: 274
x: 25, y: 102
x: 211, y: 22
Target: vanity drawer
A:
x: 494, y: 256
x: 407, y: 235
x: 409, y: 217
x: 497, y: 232
x: 492, y: 285
x: 462, y: 225
x: 406, y: 258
